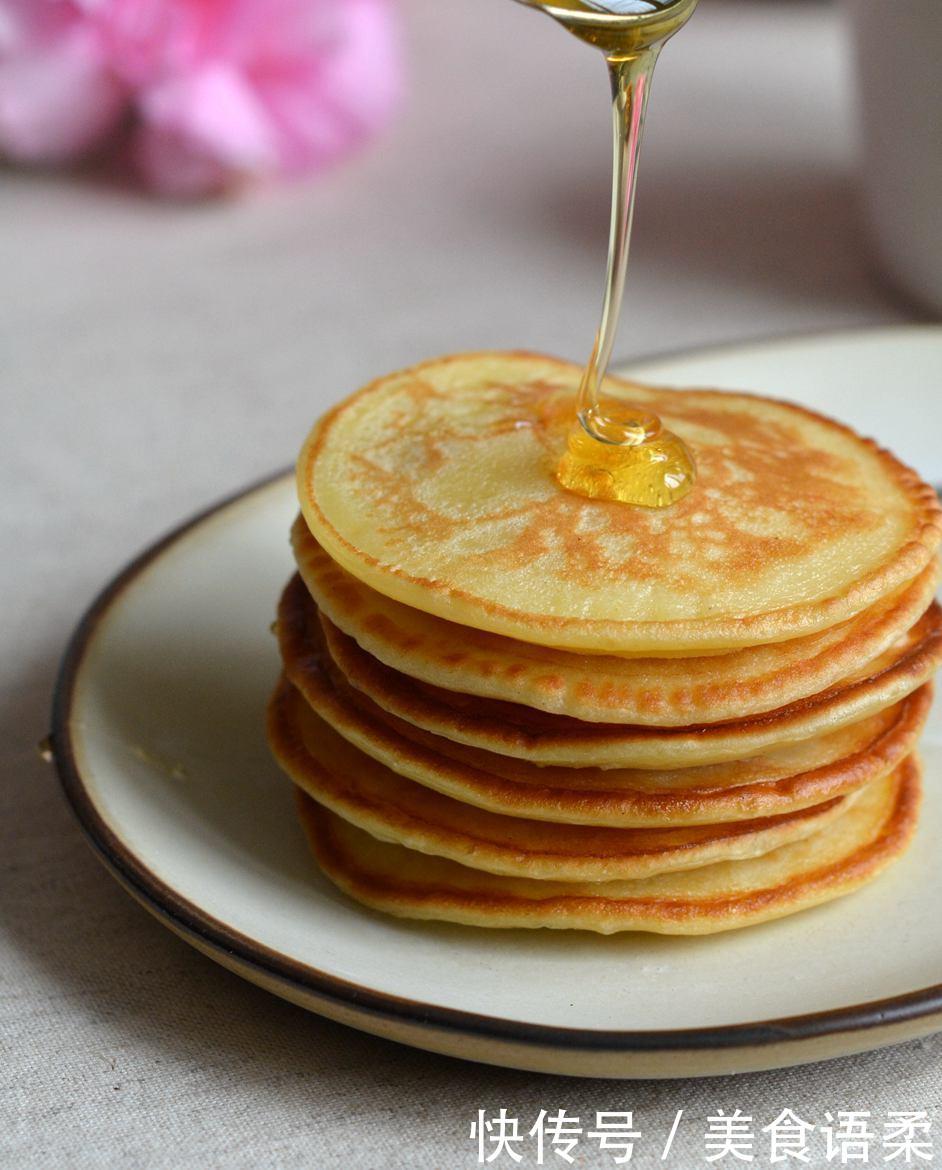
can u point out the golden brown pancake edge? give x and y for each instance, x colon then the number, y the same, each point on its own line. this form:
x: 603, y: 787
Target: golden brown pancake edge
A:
x: 393, y: 808
x: 625, y: 797
x: 472, y: 898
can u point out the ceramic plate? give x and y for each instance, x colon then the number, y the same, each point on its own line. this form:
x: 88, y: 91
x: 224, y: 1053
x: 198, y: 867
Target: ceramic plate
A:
x: 158, y: 738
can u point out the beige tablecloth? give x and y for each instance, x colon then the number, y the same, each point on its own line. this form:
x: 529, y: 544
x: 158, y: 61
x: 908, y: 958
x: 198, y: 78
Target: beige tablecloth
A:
x: 153, y: 358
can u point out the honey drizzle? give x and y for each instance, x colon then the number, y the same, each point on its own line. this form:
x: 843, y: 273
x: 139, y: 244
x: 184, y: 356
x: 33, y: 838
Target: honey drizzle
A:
x: 615, y: 452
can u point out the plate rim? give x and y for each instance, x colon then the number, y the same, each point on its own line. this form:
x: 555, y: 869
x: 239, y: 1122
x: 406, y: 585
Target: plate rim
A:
x: 219, y: 939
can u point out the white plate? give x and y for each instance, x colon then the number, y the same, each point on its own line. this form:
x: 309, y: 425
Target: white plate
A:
x: 158, y: 737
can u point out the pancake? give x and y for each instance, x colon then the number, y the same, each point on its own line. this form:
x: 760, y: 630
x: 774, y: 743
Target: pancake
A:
x: 393, y: 808
x: 436, y: 487
x: 603, y: 688
x: 789, y: 778
x: 510, y: 729
x: 868, y: 836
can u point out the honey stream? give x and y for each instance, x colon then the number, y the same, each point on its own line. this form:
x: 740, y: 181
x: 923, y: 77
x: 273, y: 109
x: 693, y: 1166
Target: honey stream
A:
x: 615, y: 451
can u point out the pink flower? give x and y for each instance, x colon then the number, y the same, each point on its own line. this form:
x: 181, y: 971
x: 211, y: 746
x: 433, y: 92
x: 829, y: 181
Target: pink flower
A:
x: 219, y: 91
x: 58, y: 96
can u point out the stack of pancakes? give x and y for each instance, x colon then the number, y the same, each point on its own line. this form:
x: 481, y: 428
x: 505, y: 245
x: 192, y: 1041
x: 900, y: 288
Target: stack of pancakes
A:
x: 507, y: 705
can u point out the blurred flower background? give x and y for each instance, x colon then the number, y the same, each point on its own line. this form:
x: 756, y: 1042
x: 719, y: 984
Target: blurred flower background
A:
x: 198, y: 96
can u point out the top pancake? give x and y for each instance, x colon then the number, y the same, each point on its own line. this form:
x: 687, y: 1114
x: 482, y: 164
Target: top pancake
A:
x: 435, y: 486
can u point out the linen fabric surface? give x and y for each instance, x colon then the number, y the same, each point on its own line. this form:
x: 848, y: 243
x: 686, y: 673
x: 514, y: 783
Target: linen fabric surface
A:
x: 154, y: 358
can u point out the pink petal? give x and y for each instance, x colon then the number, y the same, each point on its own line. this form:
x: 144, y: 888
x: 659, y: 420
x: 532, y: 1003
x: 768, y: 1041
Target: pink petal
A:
x: 365, y: 77
x: 149, y: 41
x: 202, y: 132
x: 57, y: 101
x: 32, y: 24
x: 330, y: 104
